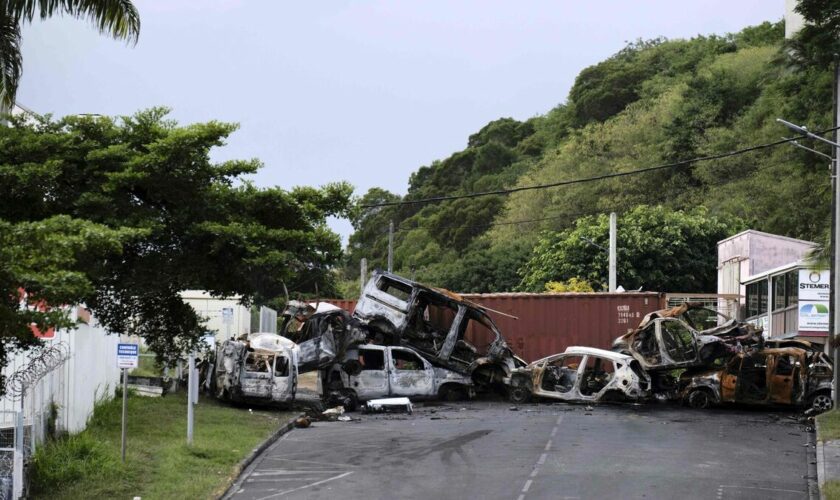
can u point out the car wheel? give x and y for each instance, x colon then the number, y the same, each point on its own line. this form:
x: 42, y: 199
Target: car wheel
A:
x: 821, y: 402
x: 451, y: 393
x: 519, y: 390
x: 699, y: 399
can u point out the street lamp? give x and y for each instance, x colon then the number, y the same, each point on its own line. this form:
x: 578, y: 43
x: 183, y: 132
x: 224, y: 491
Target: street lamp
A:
x: 835, y: 267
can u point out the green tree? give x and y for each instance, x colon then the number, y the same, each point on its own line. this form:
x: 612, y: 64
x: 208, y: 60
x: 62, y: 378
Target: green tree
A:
x: 657, y: 249
x: 117, y: 18
x: 818, y: 42
x: 183, y: 221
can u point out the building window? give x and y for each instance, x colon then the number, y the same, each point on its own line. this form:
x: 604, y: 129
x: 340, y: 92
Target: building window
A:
x: 757, y: 298
x: 779, y: 292
x: 792, y: 287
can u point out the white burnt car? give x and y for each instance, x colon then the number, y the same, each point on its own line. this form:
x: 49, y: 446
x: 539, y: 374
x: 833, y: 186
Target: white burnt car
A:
x: 376, y: 371
x: 581, y: 374
x: 261, y: 369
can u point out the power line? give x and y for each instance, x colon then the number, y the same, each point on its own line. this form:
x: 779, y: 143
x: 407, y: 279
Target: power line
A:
x: 490, y: 224
x: 504, y: 192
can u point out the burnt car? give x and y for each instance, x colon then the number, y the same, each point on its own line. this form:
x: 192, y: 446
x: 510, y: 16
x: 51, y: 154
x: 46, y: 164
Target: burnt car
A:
x: 389, y: 371
x: 581, y: 374
x: 769, y: 376
x: 323, y: 333
x: 443, y: 327
x: 261, y: 369
x: 669, y: 339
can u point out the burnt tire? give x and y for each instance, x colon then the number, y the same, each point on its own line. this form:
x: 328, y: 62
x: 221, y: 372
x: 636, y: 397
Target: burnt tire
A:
x: 820, y: 402
x: 519, y: 390
x: 452, y: 393
x: 350, y: 400
x: 699, y: 399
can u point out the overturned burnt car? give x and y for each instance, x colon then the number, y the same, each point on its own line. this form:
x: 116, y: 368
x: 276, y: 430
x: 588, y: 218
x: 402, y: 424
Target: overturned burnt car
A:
x: 261, y: 368
x: 769, y: 376
x: 581, y: 374
x: 669, y: 339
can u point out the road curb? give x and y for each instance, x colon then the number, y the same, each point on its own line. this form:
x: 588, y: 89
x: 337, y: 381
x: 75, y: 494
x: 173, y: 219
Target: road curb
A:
x: 820, y: 459
x: 248, y: 460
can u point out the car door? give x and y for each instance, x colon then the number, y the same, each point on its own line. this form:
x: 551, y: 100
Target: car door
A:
x: 729, y: 379
x: 372, y: 381
x: 385, y: 297
x: 597, y: 373
x: 558, y: 377
x: 783, y: 378
x: 410, y: 375
x: 677, y: 341
x: 752, y: 379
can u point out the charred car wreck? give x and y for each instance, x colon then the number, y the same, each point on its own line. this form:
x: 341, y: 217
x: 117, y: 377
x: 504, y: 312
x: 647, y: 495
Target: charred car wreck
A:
x: 260, y: 369
x: 581, y: 374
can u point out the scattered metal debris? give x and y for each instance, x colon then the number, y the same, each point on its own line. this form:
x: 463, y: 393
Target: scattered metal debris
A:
x: 389, y: 405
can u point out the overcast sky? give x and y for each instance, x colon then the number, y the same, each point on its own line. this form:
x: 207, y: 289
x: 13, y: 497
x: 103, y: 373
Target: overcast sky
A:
x: 349, y: 90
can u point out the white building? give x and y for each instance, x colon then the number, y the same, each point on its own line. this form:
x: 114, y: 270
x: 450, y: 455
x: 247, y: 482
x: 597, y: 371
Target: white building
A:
x: 226, y: 317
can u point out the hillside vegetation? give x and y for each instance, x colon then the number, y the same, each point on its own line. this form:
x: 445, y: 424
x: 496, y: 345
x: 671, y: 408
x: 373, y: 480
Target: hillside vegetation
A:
x: 654, y: 102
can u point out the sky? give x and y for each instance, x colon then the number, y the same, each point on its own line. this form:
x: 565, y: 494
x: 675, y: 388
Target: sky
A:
x: 361, y: 91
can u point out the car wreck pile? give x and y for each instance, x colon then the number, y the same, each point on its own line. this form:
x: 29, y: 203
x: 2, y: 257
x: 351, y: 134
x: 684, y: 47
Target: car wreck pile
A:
x: 405, y: 339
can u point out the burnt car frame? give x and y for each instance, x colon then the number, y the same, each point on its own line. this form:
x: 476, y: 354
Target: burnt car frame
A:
x: 378, y: 371
x: 668, y: 339
x: 434, y: 322
x: 581, y: 374
x: 772, y: 376
x: 260, y: 369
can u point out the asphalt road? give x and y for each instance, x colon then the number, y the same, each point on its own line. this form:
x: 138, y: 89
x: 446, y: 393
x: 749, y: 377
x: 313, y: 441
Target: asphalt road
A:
x: 540, y: 451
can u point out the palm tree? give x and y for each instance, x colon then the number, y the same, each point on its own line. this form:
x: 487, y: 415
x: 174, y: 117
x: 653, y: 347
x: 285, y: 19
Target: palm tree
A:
x: 117, y: 18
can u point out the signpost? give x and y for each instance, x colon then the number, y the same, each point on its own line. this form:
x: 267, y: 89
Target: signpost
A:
x: 227, y: 319
x: 128, y: 356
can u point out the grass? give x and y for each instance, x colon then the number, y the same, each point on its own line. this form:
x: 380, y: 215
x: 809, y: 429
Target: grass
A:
x: 831, y: 490
x: 147, y: 366
x: 159, y: 464
x: 829, y: 425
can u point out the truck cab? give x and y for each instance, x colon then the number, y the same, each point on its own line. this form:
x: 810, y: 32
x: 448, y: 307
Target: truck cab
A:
x: 377, y: 371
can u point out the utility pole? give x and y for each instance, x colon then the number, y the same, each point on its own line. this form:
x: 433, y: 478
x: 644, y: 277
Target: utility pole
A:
x: 190, y: 398
x: 391, y: 247
x: 834, y: 314
x: 363, y: 268
x: 613, y: 238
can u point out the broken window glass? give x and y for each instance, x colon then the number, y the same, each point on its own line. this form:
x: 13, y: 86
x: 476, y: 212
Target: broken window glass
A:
x: 678, y: 341
x: 404, y: 360
x: 256, y: 363
x: 596, y: 375
x: 645, y: 344
x: 431, y: 321
x: 560, y: 375
x: 784, y: 365
x: 395, y: 289
x: 752, y: 381
x: 281, y: 366
x: 372, y: 359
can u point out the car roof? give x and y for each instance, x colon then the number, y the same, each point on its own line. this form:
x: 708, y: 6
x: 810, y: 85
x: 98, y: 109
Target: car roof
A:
x: 582, y: 351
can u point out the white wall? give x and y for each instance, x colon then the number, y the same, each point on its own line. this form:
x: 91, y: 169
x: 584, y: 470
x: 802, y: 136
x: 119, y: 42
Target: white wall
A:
x: 211, y: 307
x: 90, y: 373
x: 793, y: 21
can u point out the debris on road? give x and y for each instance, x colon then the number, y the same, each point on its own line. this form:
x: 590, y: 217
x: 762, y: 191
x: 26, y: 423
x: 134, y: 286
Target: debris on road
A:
x: 389, y: 405
x: 303, y: 422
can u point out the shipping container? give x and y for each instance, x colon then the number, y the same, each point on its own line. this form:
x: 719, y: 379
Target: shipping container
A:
x: 548, y: 323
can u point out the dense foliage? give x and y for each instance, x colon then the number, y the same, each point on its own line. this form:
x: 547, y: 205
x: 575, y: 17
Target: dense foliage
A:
x: 654, y: 102
x: 122, y: 215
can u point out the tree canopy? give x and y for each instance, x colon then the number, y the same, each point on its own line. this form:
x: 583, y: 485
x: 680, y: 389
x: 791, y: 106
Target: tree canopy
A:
x: 123, y: 214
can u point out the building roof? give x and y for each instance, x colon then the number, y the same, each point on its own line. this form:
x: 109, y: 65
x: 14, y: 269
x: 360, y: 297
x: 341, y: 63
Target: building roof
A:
x: 767, y: 235
x: 799, y: 264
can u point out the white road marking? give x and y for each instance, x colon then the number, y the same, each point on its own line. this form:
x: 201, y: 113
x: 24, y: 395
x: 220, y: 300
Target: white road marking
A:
x: 759, y: 488
x: 290, y: 472
x: 316, y: 483
x: 541, y: 461
x: 309, y: 461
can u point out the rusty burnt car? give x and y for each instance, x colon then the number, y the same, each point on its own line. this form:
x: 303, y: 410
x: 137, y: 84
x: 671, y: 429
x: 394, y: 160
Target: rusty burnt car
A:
x: 670, y: 339
x: 446, y: 329
x: 260, y: 369
x: 769, y: 376
x: 581, y: 374
x: 377, y: 371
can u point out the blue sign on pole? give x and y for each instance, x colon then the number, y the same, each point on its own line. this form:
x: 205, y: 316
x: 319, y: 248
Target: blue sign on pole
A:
x: 128, y: 355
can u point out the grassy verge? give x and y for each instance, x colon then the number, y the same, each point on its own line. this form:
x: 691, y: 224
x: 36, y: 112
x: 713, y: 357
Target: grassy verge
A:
x: 159, y: 464
x: 831, y: 490
x: 829, y: 425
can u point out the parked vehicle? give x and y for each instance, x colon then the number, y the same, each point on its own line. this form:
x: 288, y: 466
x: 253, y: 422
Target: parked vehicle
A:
x: 771, y: 376
x: 581, y: 374
x: 376, y: 371
x: 261, y: 369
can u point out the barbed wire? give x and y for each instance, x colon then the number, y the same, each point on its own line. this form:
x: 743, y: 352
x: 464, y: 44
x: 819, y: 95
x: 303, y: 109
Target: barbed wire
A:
x: 40, y: 362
